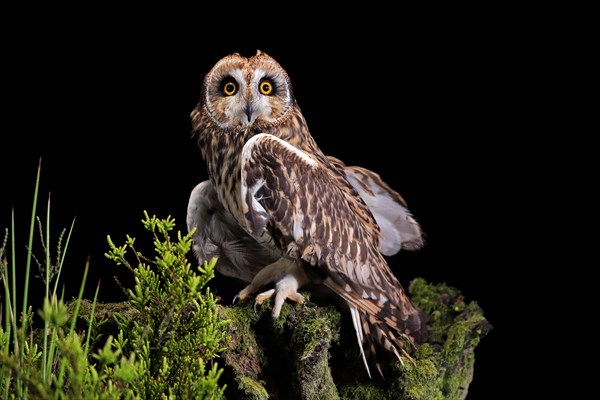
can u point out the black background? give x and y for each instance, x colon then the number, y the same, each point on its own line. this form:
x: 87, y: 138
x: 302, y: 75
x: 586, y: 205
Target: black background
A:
x: 105, y: 103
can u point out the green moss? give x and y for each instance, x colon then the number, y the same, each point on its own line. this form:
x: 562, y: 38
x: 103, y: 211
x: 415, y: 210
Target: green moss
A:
x: 419, y: 380
x: 244, y: 356
x: 314, y: 327
x: 456, y: 329
x: 252, y: 389
x: 442, y: 369
x: 310, y: 352
x: 366, y: 391
x: 440, y: 302
x: 314, y: 331
x: 458, y: 351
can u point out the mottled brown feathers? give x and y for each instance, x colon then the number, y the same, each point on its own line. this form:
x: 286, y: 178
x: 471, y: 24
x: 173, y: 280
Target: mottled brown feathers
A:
x: 271, y: 179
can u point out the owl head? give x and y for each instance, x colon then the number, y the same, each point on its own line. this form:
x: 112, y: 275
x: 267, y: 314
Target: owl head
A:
x: 242, y: 92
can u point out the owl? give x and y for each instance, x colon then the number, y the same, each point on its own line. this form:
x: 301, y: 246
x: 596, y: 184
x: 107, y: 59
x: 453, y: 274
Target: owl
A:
x: 280, y: 212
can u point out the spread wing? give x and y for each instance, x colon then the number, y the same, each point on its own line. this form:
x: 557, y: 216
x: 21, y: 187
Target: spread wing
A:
x: 219, y: 235
x: 399, y: 228
x: 240, y: 256
x: 302, y: 203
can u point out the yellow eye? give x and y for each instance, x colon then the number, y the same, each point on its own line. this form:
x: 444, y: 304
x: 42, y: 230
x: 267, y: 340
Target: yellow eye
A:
x: 230, y: 88
x: 266, y: 87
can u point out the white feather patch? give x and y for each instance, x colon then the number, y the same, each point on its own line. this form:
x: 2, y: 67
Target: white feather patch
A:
x: 382, y: 299
x: 359, y: 335
x: 256, y: 206
x: 393, y: 218
x: 298, y: 227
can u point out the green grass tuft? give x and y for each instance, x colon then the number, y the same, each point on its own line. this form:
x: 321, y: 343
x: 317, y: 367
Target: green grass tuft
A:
x: 169, y: 339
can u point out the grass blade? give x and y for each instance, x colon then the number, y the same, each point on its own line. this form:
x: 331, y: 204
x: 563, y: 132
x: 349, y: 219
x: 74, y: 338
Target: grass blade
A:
x: 90, y: 325
x: 30, y: 243
x: 62, y: 258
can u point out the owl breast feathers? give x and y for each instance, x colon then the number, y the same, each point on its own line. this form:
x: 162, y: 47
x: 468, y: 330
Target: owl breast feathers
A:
x: 278, y: 211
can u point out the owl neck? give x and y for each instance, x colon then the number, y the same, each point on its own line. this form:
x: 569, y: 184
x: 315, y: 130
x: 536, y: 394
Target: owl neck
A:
x: 222, y: 151
x: 295, y: 132
x: 222, y: 148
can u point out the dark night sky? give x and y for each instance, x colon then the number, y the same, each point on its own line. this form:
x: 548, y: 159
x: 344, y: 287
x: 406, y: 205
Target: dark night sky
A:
x: 106, y: 106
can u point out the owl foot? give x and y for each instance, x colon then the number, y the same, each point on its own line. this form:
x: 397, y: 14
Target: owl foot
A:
x: 286, y: 288
x: 287, y: 275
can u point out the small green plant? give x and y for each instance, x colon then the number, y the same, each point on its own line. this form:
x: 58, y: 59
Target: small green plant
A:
x: 178, y: 335
x: 166, y: 348
x: 30, y: 366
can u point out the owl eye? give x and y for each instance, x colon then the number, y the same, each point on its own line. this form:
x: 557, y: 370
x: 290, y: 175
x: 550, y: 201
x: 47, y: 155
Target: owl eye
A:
x: 266, y: 87
x: 230, y: 87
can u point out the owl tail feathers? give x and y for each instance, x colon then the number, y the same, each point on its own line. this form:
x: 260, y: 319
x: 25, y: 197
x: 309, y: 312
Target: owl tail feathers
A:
x: 356, y: 321
x: 372, y: 331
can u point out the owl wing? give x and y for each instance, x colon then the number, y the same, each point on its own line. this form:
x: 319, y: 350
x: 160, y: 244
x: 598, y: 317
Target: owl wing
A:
x: 301, y: 202
x: 240, y: 256
x: 219, y: 235
x: 399, y: 228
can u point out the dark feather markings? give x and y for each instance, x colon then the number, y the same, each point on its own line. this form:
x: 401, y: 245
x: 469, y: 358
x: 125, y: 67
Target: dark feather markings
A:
x: 294, y: 199
x: 321, y: 229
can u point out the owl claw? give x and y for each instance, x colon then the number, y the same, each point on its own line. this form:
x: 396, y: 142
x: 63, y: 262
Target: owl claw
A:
x: 244, y: 293
x: 287, y: 276
x: 260, y: 298
x: 282, y: 292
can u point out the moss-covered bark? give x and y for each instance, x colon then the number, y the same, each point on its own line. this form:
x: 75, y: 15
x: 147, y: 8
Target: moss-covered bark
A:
x: 311, y: 352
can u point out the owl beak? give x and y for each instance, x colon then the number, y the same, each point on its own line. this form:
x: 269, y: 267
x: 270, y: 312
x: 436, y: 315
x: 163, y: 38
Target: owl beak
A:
x: 249, y: 111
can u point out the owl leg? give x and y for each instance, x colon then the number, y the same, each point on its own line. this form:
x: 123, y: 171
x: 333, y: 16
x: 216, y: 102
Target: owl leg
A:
x: 285, y: 288
x: 288, y: 276
x: 265, y: 276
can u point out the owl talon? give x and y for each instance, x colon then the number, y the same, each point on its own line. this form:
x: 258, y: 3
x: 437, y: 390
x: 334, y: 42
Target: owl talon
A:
x: 244, y: 293
x: 283, y: 291
x: 286, y: 289
x: 260, y: 298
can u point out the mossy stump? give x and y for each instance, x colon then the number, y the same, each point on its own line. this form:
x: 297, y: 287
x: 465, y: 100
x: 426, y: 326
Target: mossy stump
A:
x: 310, y: 351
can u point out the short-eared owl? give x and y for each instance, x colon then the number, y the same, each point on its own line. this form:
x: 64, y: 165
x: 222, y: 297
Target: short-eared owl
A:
x: 278, y: 211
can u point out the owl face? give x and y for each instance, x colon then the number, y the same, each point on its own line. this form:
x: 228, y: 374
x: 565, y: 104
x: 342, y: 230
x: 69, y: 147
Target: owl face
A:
x: 241, y: 92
